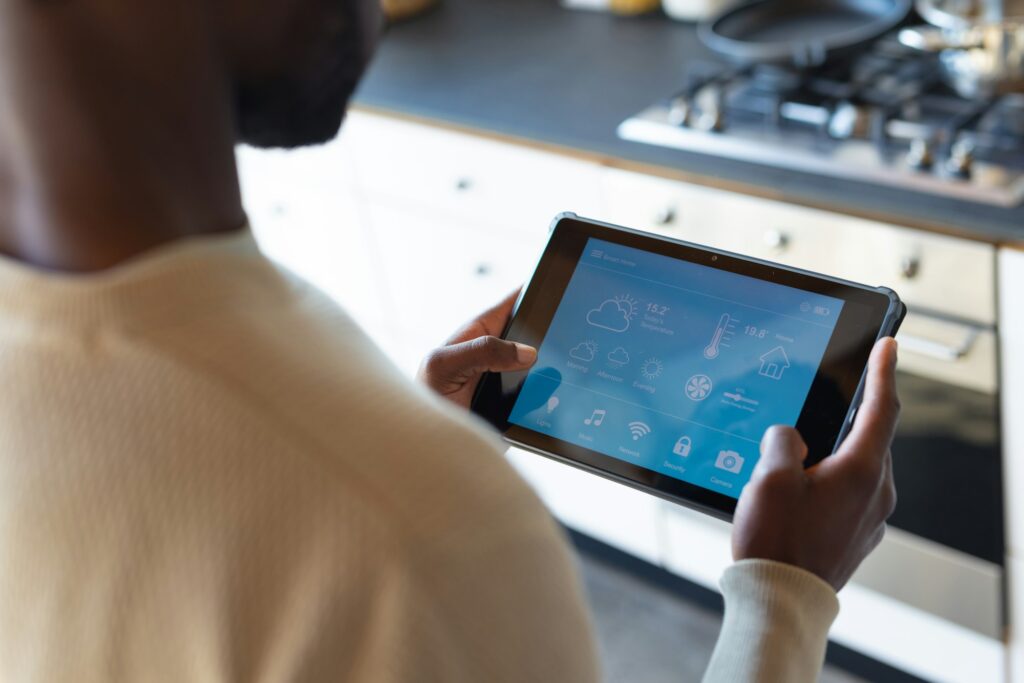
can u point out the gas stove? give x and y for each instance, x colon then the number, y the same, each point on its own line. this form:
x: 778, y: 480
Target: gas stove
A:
x: 883, y: 116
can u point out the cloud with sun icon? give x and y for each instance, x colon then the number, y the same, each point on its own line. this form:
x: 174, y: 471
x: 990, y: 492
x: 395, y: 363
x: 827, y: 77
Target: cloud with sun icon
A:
x: 584, y: 351
x: 613, y: 314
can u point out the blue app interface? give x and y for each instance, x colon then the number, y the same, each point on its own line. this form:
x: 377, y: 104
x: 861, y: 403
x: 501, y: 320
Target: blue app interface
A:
x: 674, y: 366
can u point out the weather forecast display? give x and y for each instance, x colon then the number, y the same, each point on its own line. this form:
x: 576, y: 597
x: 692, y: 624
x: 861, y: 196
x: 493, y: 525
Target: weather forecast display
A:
x: 674, y: 366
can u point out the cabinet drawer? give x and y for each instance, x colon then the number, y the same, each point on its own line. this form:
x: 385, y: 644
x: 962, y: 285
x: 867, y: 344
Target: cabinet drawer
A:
x: 439, y: 276
x: 468, y: 176
x: 951, y: 275
x: 656, y: 205
x: 947, y: 274
x: 305, y: 216
x: 724, y: 220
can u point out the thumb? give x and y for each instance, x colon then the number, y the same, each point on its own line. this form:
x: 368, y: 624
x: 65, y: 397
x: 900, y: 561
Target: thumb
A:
x: 782, y: 448
x: 458, y: 363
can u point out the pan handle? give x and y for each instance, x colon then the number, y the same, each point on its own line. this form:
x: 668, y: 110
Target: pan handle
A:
x: 931, y: 39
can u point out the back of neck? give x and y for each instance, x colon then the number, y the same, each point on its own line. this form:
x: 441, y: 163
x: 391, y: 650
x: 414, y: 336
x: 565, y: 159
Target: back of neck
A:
x: 101, y: 155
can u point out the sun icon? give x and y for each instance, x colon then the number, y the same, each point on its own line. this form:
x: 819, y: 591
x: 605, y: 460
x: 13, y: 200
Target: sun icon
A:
x: 627, y: 305
x: 651, y: 368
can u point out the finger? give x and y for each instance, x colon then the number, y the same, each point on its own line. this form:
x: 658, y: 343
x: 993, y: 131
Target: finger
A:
x: 489, y: 323
x: 458, y: 363
x: 782, y: 448
x: 875, y: 424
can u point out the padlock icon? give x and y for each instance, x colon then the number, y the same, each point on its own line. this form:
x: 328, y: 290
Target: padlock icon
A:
x: 683, y: 446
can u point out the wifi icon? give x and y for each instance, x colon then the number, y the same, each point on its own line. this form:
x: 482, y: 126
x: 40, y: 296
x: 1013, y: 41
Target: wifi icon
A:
x: 639, y: 430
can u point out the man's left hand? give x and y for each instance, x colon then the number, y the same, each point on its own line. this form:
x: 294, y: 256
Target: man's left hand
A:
x: 454, y: 369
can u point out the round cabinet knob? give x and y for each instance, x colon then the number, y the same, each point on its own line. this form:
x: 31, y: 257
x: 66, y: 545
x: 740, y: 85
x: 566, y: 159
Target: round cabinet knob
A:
x: 666, y: 216
x: 776, y: 239
x: 463, y: 184
x: 910, y: 266
x: 483, y: 269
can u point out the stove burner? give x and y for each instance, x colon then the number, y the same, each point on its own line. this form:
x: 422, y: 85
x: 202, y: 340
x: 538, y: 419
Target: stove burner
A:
x: 882, y: 115
x: 776, y: 79
x: 1006, y: 118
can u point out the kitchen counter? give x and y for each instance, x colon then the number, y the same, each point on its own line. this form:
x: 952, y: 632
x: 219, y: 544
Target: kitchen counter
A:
x: 532, y: 72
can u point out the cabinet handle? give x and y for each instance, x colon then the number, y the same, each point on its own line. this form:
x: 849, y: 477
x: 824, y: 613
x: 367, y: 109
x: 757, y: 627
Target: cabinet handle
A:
x: 483, y: 269
x: 667, y: 216
x: 776, y: 239
x: 937, y: 350
x: 463, y: 184
x: 910, y: 266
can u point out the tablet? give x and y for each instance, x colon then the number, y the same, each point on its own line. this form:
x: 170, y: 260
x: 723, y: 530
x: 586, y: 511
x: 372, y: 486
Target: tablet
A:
x: 662, y: 363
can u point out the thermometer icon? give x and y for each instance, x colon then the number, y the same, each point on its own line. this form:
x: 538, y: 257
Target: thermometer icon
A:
x: 723, y: 332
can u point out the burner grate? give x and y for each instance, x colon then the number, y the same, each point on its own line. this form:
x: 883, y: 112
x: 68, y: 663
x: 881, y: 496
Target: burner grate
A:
x: 882, y: 115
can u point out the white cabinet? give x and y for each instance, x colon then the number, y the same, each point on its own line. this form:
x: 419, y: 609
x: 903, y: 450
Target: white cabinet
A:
x: 468, y: 180
x: 441, y: 273
x: 928, y: 270
x: 305, y: 214
x: 1011, y: 277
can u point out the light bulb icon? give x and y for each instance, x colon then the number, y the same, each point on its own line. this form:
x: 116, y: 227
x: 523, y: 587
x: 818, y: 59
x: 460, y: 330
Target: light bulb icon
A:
x: 552, y: 404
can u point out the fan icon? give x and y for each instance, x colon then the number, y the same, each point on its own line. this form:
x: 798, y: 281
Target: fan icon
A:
x: 698, y: 387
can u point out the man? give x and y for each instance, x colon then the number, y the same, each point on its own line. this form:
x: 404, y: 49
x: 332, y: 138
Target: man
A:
x: 208, y: 473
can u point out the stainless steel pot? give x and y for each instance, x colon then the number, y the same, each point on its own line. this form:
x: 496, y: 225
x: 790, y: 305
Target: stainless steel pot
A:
x: 964, y: 13
x: 978, y: 60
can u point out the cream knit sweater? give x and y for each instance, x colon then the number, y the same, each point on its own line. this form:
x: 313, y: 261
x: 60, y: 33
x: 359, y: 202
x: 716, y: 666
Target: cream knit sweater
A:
x: 208, y: 473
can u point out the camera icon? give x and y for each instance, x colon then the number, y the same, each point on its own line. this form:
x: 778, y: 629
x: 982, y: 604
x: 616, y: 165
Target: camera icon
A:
x: 730, y: 461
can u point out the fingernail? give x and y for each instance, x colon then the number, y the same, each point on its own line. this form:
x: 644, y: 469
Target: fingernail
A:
x: 525, y: 354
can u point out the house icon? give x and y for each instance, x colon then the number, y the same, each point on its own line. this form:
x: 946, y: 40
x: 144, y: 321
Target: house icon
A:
x: 774, y: 363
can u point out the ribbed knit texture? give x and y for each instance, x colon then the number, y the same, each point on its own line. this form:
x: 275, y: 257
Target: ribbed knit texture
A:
x: 776, y: 624
x: 208, y: 473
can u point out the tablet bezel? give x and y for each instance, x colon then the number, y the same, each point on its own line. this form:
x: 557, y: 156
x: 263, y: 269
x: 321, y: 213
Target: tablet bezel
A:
x: 867, y: 315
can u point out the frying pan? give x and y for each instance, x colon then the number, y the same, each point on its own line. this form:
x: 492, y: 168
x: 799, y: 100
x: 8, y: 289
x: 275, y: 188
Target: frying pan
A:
x: 800, y: 32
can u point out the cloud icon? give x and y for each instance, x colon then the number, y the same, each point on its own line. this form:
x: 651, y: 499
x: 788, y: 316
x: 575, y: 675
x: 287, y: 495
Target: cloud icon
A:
x: 618, y: 356
x: 611, y: 315
x: 584, y: 351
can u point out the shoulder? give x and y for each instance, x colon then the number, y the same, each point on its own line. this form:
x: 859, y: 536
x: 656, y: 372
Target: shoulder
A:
x: 303, y: 368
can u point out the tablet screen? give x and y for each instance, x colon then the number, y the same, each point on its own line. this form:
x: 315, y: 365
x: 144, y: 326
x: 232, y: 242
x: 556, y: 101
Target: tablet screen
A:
x: 674, y: 366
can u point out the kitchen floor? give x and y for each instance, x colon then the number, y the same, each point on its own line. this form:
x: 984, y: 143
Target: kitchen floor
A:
x: 648, y: 634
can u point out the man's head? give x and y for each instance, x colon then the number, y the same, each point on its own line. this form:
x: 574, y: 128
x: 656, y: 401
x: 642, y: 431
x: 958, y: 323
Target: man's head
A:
x: 119, y: 118
x: 294, y: 64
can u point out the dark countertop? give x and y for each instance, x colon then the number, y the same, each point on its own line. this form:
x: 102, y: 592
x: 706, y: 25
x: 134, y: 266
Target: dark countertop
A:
x: 530, y: 70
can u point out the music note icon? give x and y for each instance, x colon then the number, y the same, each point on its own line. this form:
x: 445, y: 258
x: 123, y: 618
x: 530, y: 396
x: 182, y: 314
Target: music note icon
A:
x: 596, y: 419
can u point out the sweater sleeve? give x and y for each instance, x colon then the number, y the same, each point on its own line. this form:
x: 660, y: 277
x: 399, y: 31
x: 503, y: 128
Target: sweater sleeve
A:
x: 776, y: 624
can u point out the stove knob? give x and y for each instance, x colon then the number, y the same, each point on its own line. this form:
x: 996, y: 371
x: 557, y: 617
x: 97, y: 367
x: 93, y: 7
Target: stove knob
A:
x: 849, y: 121
x: 910, y: 266
x: 776, y: 240
x: 679, y: 112
x: 961, y: 157
x: 921, y: 155
x: 711, y: 120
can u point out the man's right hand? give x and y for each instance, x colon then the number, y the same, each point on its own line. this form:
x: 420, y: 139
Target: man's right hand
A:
x: 828, y: 518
